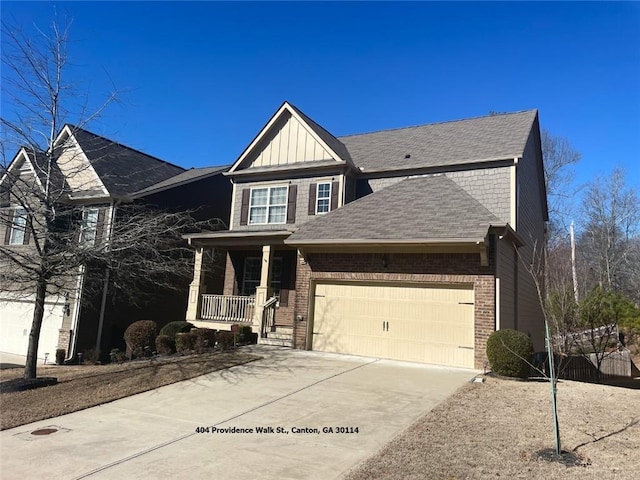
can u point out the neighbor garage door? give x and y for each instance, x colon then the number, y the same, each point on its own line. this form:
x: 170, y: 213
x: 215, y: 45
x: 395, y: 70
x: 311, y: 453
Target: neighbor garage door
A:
x: 428, y: 324
x: 15, y: 324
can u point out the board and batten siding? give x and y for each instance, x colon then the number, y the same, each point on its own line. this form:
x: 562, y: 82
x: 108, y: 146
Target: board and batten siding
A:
x: 289, y: 142
x: 302, y: 200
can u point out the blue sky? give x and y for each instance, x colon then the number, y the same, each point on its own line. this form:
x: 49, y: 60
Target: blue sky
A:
x: 199, y: 80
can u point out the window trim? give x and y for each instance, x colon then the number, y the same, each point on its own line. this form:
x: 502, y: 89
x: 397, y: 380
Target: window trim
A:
x: 84, y: 228
x: 328, y: 198
x: 268, y: 205
x: 20, y: 213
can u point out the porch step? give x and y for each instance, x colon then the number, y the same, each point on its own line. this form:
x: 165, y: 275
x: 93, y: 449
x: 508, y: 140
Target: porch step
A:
x: 282, y: 337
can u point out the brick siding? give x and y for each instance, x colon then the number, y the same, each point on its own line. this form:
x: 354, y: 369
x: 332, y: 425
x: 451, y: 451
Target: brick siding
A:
x: 426, y: 268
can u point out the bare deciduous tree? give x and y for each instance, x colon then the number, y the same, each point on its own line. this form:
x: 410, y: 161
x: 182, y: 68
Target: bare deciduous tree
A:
x: 560, y: 159
x: 610, y: 240
x: 138, y: 248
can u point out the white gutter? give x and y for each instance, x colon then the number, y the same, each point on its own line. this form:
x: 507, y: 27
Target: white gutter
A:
x: 103, y: 303
x: 76, y: 314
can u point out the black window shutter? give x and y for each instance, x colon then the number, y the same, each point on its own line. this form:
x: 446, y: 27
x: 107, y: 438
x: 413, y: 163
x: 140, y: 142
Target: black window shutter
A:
x: 5, y: 194
x: 100, y: 226
x: 27, y: 232
x: 285, y: 281
x: 291, y: 204
x: 312, y: 198
x: 76, y: 221
x: 244, y: 209
x: 335, y: 189
x: 284, y: 297
x: 9, y: 226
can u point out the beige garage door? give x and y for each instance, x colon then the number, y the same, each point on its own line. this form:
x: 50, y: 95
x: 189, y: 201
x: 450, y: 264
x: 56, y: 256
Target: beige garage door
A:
x: 427, y: 324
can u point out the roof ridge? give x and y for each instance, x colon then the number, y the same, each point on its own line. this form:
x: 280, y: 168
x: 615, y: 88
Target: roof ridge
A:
x: 518, y: 112
x: 75, y: 128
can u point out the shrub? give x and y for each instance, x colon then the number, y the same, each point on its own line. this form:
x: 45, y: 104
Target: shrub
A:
x: 140, y: 337
x: 92, y: 356
x: 117, y: 356
x: 204, y: 338
x: 60, y: 355
x: 185, y: 342
x: 164, y: 345
x: 245, y: 334
x: 173, y: 328
x: 226, y: 340
x: 508, y: 352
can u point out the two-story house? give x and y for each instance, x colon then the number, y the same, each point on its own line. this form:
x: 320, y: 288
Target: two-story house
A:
x: 411, y: 244
x: 92, y: 176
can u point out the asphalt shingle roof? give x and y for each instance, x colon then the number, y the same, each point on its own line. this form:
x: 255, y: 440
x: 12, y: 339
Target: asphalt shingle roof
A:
x: 190, y: 175
x: 418, y: 208
x: 473, y: 140
x: 333, y: 143
x: 122, y: 169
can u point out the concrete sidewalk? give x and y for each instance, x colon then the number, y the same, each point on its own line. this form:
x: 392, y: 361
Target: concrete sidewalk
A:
x: 320, y: 415
x: 11, y: 360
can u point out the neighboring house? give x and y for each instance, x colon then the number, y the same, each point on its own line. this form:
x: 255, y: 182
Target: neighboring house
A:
x: 410, y: 244
x: 94, y: 176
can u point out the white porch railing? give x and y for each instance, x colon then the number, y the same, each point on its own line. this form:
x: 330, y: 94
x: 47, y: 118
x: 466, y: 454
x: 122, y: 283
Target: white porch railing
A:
x: 227, y: 308
x: 269, y: 316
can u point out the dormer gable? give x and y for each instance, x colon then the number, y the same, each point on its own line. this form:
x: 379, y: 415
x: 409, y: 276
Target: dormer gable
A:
x: 74, y: 164
x: 291, y: 139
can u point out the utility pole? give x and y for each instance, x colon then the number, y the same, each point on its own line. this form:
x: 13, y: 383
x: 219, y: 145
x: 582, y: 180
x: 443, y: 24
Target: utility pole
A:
x: 573, y: 264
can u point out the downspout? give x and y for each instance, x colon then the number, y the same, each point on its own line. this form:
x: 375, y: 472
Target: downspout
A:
x: 105, y: 287
x: 76, y: 314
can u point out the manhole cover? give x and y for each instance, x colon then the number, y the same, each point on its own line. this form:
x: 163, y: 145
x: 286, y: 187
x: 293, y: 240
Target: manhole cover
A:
x: 44, y: 431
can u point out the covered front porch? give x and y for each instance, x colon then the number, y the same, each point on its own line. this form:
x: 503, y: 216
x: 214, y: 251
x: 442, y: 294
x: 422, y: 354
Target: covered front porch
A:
x: 257, y: 278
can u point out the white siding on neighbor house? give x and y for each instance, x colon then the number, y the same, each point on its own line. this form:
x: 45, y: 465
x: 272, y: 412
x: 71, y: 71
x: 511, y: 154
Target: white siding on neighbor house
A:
x: 77, y: 170
x: 16, y: 317
x: 530, y: 227
x: 489, y: 186
x: 302, y: 201
x: 288, y: 143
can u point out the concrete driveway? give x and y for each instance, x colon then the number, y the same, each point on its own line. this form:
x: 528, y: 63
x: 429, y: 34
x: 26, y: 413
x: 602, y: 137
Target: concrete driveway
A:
x: 208, y: 427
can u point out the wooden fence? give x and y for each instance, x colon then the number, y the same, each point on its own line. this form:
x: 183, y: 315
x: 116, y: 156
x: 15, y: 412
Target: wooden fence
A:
x: 584, y: 368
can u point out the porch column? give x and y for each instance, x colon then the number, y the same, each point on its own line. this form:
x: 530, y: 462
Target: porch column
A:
x: 196, y: 287
x: 263, y: 291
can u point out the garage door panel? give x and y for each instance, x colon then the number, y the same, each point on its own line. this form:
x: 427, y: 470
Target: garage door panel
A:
x: 16, y: 318
x: 429, y: 324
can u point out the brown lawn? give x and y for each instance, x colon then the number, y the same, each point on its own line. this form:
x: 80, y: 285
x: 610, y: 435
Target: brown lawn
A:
x: 83, y: 386
x: 497, y: 429
x: 503, y: 429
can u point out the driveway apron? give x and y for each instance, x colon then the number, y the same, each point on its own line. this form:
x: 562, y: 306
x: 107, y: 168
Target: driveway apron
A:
x: 291, y: 415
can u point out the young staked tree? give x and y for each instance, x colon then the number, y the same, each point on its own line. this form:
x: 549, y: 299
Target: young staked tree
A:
x: 141, y: 249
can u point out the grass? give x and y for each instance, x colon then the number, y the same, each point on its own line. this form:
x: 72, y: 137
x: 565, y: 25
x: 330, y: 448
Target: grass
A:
x: 503, y: 429
x: 496, y: 429
x: 84, y: 386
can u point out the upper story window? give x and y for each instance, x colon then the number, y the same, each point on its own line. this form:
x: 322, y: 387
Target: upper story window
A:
x: 323, y: 198
x: 89, y: 227
x: 268, y: 205
x: 19, y: 235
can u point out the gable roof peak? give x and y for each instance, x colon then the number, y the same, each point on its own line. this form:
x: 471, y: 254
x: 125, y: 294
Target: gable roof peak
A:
x: 74, y: 128
x: 329, y: 143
